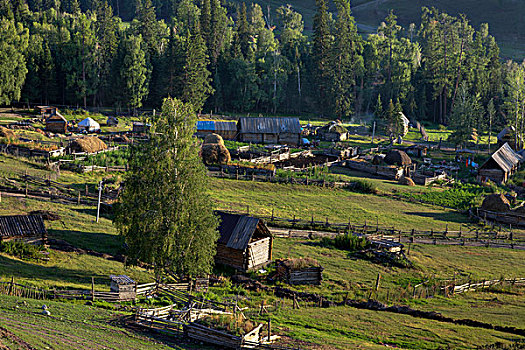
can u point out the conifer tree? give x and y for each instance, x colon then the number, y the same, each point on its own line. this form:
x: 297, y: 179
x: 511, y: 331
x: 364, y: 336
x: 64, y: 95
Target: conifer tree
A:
x: 164, y: 213
x: 134, y: 73
x: 13, y: 43
x: 322, y: 44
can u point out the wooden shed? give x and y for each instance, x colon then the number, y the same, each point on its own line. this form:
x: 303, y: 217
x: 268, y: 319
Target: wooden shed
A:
x: 270, y: 130
x: 245, y: 242
x: 123, y: 285
x: 27, y: 227
x: 56, y: 123
x: 299, y: 271
x: 140, y: 128
x: 227, y: 130
x: 501, y: 165
x: 46, y: 111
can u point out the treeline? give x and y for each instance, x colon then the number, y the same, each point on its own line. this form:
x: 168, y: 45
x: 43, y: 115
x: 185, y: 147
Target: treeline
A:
x: 236, y: 57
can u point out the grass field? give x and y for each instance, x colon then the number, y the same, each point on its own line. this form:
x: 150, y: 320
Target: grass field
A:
x: 71, y: 326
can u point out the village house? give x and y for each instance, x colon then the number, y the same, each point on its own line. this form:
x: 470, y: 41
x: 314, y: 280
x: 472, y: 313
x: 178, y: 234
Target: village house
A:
x: 245, y: 242
x: 55, y: 122
x: 227, y: 130
x: 501, y: 165
x: 270, y: 130
x: 140, y: 128
x: 26, y: 227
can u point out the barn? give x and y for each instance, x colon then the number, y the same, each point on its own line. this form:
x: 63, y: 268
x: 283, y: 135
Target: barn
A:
x: 245, y: 242
x: 227, y: 130
x: 27, y: 227
x: 270, y: 130
x: 501, y: 165
x: 56, y: 123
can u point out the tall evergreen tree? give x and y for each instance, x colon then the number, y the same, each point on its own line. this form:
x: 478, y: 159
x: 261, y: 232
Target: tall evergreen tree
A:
x: 322, y: 43
x: 134, y: 73
x: 13, y: 43
x: 164, y: 212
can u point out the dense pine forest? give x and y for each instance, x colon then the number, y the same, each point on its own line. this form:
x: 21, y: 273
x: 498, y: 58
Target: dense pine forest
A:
x: 240, y: 57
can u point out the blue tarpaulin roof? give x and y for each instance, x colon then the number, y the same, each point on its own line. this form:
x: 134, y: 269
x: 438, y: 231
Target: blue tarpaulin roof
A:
x: 208, y: 125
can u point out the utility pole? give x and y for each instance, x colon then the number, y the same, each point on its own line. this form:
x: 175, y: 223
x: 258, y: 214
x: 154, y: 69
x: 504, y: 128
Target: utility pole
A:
x: 373, y: 133
x: 99, y: 197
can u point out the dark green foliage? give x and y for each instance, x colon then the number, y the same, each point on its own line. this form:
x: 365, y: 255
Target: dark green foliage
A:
x: 363, y: 186
x: 22, y: 250
x: 165, y: 214
x: 346, y: 242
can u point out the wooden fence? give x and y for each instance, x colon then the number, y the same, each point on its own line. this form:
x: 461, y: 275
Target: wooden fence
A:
x: 304, y: 228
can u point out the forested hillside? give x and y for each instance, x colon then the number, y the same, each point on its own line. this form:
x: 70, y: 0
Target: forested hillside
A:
x: 240, y: 57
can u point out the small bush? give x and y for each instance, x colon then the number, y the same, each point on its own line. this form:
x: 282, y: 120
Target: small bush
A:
x: 21, y: 250
x: 363, y: 186
x: 347, y: 242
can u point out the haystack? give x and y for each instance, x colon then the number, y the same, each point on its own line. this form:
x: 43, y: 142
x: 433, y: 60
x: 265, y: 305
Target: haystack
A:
x: 7, y: 133
x: 496, y: 202
x: 397, y: 157
x: 88, y: 144
x: 406, y: 181
x: 214, y: 151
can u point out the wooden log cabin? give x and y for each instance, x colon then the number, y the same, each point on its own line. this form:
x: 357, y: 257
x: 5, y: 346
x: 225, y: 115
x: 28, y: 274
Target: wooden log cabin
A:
x: 501, y: 165
x: 285, y: 131
x: 299, y: 271
x: 55, y: 122
x: 245, y: 242
x: 24, y: 227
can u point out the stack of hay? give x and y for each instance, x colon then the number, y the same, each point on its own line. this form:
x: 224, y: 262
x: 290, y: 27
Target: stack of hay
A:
x: 7, y: 133
x: 406, y: 181
x: 88, y: 144
x: 397, y: 157
x: 214, y: 151
x: 496, y: 203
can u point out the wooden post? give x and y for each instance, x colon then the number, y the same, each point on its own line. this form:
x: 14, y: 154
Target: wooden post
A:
x: 87, y: 192
x: 12, y: 285
x: 269, y: 329
x: 99, y: 197
x: 78, y: 200
x: 377, y: 282
x: 92, y: 288
x: 247, y: 209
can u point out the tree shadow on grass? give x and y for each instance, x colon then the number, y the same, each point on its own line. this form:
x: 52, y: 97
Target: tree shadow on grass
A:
x: 51, y: 274
x: 444, y: 217
x: 97, y: 241
x: 105, y: 212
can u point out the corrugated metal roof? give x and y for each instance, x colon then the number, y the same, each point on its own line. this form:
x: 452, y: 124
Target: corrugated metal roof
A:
x: 269, y: 125
x: 212, y: 125
x: 121, y: 279
x: 506, y: 158
x: 22, y: 226
x: 236, y: 230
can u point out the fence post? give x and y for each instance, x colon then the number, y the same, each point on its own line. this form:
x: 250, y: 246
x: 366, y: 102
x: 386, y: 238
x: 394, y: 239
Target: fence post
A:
x: 78, y: 200
x: 269, y: 329
x: 92, y: 288
x: 12, y: 285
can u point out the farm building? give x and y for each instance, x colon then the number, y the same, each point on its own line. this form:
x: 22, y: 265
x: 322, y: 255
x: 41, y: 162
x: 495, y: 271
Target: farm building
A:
x: 22, y: 227
x: 245, y: 242
x: 46, y: 111
x: 123, y: 285
x: 501, y: 165
x: 299, y: 271
x: 270, y: 130
x: 89, y: 125
x: 56, y: 123
x: 333, y: 131
x: 227, y: 130
x: 140, y: 128
x: 508, y: 135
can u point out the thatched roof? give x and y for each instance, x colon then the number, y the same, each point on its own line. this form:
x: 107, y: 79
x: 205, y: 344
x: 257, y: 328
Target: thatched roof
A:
x: 269, y: 125
x: 88, y: 144
x: 397, y: 157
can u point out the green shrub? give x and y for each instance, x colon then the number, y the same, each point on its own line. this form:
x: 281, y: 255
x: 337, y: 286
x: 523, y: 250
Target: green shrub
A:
x: 21, y: 249
x: 363, y: 186
x: 346, y: 242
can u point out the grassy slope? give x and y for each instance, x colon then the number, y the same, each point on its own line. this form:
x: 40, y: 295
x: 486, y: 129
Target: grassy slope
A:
x: 336, y: 205
x: 70, y: 327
